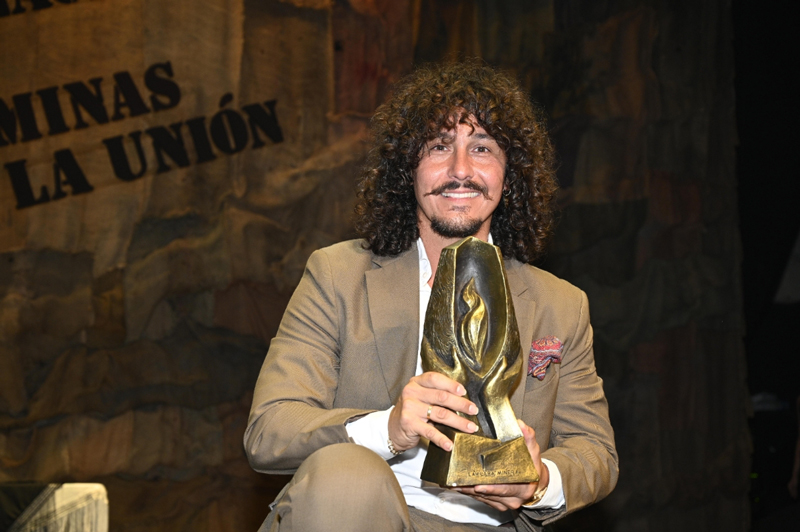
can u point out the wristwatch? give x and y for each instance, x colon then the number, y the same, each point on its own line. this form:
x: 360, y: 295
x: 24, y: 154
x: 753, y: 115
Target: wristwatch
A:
x: 537, y: 496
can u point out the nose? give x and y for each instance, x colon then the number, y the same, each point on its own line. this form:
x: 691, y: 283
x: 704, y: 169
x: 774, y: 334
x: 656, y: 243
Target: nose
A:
x: 460, y: 165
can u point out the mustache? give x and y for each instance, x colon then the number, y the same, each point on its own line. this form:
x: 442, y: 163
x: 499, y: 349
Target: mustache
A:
x: 455, y: 185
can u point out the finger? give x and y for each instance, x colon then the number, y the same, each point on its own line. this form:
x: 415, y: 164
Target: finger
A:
x: 527, y: 432
x: 448, y: 400
x: 533, y: 447
x: 511, y: 496
x: 496, y: 504
x: 406, y: 426
x: 444, y: 416
x: 429, y: 431
x: 530, y: 442
x: 477, y: 491
x: 502, y: 490
x: 437, y: 381
x: 436, y: 389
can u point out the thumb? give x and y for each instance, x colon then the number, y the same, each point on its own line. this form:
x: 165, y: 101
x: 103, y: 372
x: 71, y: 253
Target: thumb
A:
x: 530, y: 440
x: 528, y: 433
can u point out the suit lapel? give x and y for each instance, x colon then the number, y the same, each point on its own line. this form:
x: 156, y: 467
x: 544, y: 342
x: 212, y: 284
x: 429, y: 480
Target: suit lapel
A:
x: 393, y: 295
x: 525, y: 309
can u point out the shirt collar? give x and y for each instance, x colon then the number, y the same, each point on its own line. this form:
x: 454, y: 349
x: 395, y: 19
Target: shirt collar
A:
x: 425, y: 271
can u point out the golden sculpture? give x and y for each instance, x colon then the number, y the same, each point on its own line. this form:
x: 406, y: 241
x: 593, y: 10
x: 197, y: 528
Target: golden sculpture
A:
x: 471, y: 335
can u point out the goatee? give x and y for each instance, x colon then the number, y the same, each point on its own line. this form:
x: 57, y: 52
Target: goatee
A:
x: 455, y: 229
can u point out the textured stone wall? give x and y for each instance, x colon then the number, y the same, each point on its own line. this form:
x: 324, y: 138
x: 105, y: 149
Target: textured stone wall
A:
x: 135, y: 313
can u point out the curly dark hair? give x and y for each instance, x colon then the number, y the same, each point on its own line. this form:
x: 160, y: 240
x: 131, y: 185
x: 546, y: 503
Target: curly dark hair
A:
x: 437, y: 98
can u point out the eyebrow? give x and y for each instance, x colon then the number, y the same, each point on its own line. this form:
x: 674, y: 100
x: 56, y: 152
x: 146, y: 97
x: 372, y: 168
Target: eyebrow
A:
x: 447, y: 135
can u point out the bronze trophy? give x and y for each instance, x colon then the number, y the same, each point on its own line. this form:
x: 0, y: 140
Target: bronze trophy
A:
x: 471, y: 335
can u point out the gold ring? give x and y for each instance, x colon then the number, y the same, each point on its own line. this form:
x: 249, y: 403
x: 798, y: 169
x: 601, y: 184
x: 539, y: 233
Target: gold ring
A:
x: 430, y: 407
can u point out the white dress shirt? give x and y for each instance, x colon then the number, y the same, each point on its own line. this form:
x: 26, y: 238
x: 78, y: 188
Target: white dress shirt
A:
x: 372, y: 431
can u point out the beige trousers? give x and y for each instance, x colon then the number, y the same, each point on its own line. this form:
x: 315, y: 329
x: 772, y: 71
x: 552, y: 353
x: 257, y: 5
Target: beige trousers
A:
x: 348, y: 488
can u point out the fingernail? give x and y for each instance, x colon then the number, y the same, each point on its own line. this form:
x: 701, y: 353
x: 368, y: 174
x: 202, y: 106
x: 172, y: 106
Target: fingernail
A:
x: 473, y: 409
x: 460, y: 390
x: 448, y: 446
x: 472, y: 427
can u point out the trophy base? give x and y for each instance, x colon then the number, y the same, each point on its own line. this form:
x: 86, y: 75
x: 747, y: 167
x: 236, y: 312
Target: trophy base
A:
x: 478, y: 460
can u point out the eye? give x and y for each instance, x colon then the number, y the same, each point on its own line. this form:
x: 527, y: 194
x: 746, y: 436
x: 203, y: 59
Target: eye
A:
x: 483, y: 149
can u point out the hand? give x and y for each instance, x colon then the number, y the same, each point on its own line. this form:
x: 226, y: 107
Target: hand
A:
x: 511, y: 496
x: 409, y: 419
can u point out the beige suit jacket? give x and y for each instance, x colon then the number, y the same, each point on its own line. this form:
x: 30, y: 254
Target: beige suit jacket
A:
x: 348, y: 343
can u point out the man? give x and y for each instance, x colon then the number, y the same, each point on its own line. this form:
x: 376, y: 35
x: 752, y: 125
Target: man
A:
x: 341, y: 400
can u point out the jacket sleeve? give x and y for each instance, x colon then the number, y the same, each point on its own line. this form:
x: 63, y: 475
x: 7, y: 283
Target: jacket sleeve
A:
x: 292, y: 413
x: 581, y: 438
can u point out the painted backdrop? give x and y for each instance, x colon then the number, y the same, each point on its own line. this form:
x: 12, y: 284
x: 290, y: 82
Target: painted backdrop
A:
x: 166, y: 168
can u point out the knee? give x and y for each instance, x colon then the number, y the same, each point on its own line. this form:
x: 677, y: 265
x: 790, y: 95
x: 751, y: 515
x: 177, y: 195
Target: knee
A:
x: 343, y: 487
x: 344, y: 478
x: 345, y: 467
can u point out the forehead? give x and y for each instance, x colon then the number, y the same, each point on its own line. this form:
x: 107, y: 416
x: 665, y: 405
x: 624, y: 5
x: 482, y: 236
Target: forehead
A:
x: 467, y: 127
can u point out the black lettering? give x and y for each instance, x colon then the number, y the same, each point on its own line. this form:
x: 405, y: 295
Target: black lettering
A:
x: 202, y: 145
x: 228, y: 128
x: 161, y: 86
x: 119, y: 157
x: 172, y: 145
x: 91, y: 102
x: 23, y: 111
x: 52, y: 110
x: 21, y: 185
x: 4, y: 8
x: 73, y: 175
x: 27, y: 119
x: 265, y: 120
x: 127, y: 95
x: 37, y: 4
x: 8, y: 124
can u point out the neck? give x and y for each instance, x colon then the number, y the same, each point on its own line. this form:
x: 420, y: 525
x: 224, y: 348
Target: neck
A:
x: 435, y: 243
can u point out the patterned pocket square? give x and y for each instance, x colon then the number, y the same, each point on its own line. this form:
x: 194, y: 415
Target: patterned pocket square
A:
x: 543, y: 352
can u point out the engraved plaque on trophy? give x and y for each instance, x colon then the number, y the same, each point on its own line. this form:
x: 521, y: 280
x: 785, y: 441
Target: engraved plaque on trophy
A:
x: 470, y: 335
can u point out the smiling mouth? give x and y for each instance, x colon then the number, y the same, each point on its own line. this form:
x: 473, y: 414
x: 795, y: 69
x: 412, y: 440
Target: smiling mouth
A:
x: 461, y: 195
